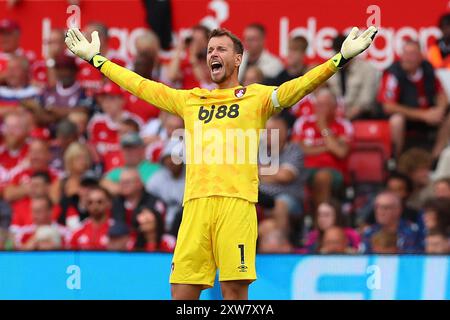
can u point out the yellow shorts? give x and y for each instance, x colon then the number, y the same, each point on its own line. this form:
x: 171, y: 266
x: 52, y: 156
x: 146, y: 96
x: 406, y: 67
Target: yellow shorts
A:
x: 215, y: 233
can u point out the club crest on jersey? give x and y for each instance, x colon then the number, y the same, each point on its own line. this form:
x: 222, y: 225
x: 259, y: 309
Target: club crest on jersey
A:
x: 239, y: 93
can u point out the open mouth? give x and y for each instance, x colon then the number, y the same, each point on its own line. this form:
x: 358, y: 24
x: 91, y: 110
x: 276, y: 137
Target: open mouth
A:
x: 216, y: 67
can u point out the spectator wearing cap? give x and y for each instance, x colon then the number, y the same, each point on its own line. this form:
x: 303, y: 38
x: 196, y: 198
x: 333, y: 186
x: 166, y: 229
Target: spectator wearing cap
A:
x: 66, y: 95
x: 150, y: 236
x: 10, y: 45
x: 439, y: 52
x: 13, y: 147
x: 103, y: 128
x: 120, y: 238
x: 43, y: 233
x: 357, y: 83
x: 168, y: 184
x: 133, y: 150
x: 256, y: 53
x: 93, y: 233
x: 133, y: 198
x: 17, y: 88
x: 414, y: 100
x: 388, y: 218
x: 325, y: 140
x: 22, y: 188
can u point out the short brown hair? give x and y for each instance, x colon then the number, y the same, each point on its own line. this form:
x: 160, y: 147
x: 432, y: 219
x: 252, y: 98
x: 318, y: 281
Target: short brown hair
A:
x: 384, y: 239
x: 413, y: 159
x: 257, y: 26
x: 238, y: 47
x: 299, y: 42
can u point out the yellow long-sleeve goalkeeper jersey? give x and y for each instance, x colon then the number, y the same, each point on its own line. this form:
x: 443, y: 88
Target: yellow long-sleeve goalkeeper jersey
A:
x: 221, y: 126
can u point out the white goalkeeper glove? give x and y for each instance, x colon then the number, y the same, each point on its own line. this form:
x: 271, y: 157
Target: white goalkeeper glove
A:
x: 78, y: 44
x: 354, y: 45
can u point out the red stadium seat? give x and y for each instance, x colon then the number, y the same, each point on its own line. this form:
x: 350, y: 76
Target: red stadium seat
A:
x: 368, y: 133
x: 366, y: 165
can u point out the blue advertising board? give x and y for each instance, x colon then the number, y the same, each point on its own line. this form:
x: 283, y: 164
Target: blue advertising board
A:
x: 116, y: 275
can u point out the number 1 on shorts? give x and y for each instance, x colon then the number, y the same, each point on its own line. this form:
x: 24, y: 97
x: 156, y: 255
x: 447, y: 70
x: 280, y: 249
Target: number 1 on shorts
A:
x: 241, y: 247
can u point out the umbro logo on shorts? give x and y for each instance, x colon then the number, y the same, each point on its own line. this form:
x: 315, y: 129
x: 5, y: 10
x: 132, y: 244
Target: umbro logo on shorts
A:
x: 242, y: 268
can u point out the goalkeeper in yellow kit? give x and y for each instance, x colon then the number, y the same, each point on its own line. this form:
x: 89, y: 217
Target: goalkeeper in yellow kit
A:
x: 219, y: 225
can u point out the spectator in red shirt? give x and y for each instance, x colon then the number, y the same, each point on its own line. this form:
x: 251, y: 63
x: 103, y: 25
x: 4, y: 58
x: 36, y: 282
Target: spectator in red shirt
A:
x: 89, y: 77
x: 42, y: 234
x: 413, y: 98
x: 103, y: 128
x: 10, y: 45
x: 13, y: 148
x: 43, y: 72
x: 151, y: 235
x: 325, y: 140
x: 188, y: 66
x: 19, y: 191
x: 93, y: 234
x: 146, y: 63
x: 39, y: 186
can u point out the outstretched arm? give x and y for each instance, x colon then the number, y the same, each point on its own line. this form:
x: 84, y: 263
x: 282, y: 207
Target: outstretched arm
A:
x: 292, y: 91
x: 153, y: 92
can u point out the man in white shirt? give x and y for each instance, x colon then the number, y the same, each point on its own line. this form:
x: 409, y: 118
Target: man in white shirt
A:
x: 256, y: 54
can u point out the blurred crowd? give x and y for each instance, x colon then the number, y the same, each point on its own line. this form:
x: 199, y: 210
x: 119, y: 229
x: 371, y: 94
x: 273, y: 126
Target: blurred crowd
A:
x: 87, y: 166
